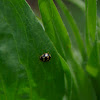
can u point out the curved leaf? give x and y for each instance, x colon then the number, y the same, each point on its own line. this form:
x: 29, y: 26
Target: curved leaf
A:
x: 22, y: 41
x: 74, y: 28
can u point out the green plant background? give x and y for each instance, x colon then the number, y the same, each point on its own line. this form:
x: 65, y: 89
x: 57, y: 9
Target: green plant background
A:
x: 69, y: 31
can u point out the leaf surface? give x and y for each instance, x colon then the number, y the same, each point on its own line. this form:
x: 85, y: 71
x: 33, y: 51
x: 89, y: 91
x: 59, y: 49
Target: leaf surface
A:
x: 91, y: 18
x: 81, y: 88
x: 74, y: 27
x: 22, y: 41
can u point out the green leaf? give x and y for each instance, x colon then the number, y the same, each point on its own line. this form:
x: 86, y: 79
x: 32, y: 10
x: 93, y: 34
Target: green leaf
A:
x: 79, y: 3
x: 98, y: 22
x: 91, y: 18
x: 81, y: 88
x: 51, y: 20
x: 95, y: 77
x: 22, y: 40
x: 93, y: 62
x: 22, y: 75
x: 98, y: 27
x: 74, y: 27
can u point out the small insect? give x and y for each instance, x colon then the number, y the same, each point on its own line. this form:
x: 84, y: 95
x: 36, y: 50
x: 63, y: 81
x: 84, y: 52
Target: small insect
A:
x: 45, y: 57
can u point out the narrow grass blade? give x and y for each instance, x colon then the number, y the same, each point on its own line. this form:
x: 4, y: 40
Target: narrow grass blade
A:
x: 79, y: 3
x: 93, y: 62
x: 91, y: 18
x: 95, y: 74
x: 54, y: 27
x: 74, y: 28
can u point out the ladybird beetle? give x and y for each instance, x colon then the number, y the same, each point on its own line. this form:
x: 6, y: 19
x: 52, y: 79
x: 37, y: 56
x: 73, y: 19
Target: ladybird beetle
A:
x: 45, y: 57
